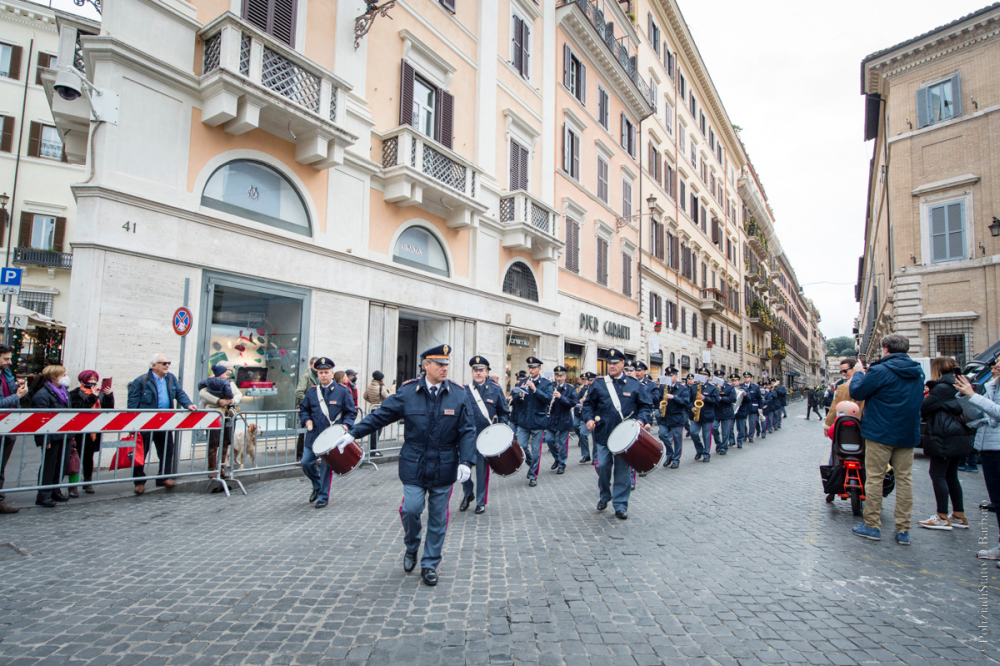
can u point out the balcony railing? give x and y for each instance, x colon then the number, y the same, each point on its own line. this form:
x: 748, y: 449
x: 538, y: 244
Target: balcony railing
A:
x: 30, y: 256
x: 405, y: 146
x: 529, y: 224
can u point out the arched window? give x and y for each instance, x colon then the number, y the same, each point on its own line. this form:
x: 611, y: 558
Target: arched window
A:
x: 520, y: 282
x: 257, y: 192
x: 418, y: 248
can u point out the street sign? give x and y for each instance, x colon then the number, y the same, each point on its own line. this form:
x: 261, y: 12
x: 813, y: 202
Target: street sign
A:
x: 10, y: 281
x: 182, y: 321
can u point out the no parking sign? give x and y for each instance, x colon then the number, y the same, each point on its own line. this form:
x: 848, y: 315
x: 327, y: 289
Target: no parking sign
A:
x: 182, y: 321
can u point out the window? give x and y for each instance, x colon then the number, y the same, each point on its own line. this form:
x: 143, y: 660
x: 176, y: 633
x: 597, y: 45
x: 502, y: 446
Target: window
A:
x: 668, y: 118
x: 718, y: 154
x: 572, y: 245
x: 694, y: 154
x: 947, y: 232
x: 626, y: 197
x: 45, y: 61
x: 449, y: 5
x: 257, y: 192
x: 603, y: 110
x: 602, y: 262
x: 10, y: 61
x: 702, y: 124
x: 673, y: 248
x: 671, y: 180
x: 656, y: 239
x: 704, y: 275
x: 430, y: 110
x: 7, y: 128
x: 602, y: 179
x: 44, y: 141
x: 520, y: 46
x: 683, y: 195
x: 655, y: 306
x: 684, y: 320
x: 704, y: 171
x: 694, y: 208
x: 953, y: 338
x: 626, y: 274
x: 423, y: 107
x: 43, y: 231
x: 628, y: 135
x: 668, y: 60
x: 704, y: 219
x: 37, y: 301
x: 686, y: 261
x: 713, y: 338
x: 653, y: 168
x: 694, y: 324
x: 681, y: 138
x: 711, y: 138
x: 518, y: 166
x: 574, y: 75
x: 654, y: 35
x: 681, y: 86
x: 940, y: 101
x: 275, y: 17
x: 520, y: 282
x: 694, y: 106
x: 571, y: 152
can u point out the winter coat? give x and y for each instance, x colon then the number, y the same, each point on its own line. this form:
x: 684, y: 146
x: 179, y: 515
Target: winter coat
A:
x: 781, y: 396
x: 45, y: 398
x: 678, y: 407
x: 946, y: 436
x: 988, y: 434
x: 727, y: 398
x: 561, y: 414
x: 142, y: 392
x: 339, y: 404
x: 11, y: 401
x: 893, y: 391
x: 376, y: 393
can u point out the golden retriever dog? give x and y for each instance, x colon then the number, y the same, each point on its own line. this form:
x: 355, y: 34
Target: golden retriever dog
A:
x: 245, y: 444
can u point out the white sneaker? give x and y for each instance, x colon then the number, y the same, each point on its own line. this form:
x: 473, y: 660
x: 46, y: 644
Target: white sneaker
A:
x: 935, y: 522
x: 991, y: 554
x: 960, y: 523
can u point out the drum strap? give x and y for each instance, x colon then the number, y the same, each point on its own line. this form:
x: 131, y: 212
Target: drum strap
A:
x: 322, y: 405
x: 479, y: 401
x: 614, y: 395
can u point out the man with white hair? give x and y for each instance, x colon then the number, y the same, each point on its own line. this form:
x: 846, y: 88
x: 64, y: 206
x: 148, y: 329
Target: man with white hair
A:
x: 157, y: 389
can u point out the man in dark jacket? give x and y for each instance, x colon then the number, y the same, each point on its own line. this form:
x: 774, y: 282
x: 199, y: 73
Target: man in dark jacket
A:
x: 724, y: 414
x: 781, y: 401
x: 157, y: 389
x: 12, y: 392
x: 893, y: 391
x: 812, y: 403
x: 532, y: 395
x: 439, y: 448
x: 672, y: 424
x: 560, y: 419
x: 323, y: 406
x: 701, y: 430
x: 490, y: 407
x: 746, y: 418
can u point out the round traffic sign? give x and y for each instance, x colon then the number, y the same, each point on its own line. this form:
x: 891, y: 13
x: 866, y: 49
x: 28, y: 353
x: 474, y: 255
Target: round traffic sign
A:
x: 182, y: 321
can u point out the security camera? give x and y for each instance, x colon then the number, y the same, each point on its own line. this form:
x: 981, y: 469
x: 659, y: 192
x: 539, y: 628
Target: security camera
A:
x: 68, y: 85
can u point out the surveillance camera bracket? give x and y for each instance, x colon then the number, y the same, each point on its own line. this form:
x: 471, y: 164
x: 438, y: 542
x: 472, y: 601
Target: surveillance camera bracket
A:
x: 103, y: 103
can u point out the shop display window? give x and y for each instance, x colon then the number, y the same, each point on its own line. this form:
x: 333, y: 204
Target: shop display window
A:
x: 257, y: 192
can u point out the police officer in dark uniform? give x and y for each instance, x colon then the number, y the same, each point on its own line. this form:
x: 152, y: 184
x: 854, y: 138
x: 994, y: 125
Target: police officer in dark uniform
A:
x: 602, y: 416
x: 533, y: 393
x: 701, y: 430
x: 560, y: 419
x: 516, y: 406
x: 582, y: 434
x: 341, y: 410
x: 439, y: 447
x: 672, y: 424
x: 494, y: 403
x: 747, y: 421
x: 724, y: 415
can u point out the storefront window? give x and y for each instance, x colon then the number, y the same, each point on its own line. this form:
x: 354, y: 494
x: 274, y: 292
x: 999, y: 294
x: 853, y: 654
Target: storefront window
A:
x: 573, y: 360
x: 519, y: 347
x: 418, y: 248
x: 257, y: 192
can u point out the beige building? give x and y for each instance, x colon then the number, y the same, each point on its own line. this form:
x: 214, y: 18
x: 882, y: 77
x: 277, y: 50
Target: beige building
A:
x: 931, y: 263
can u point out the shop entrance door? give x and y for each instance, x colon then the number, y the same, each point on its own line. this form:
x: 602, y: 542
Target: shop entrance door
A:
x: 406, y: 356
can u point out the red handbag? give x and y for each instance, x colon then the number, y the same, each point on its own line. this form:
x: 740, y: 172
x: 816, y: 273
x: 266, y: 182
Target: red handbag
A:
x: 129, y: 456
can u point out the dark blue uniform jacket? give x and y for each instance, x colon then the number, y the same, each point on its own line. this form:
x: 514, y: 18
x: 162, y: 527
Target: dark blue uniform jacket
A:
x: 634, y: 401
x: 561, y: 417
x: 339, y: 402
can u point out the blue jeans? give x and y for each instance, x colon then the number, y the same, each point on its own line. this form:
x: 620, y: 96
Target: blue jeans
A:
x: 531, y: 442
x: 741, y: 430
x: 320, y: 477
x: 437, y: 521
x: 725, y: 430
x: 482, y: 486
x: 673, y: 441
x: 609, y: 464
x: 699, y: 431
x: 558, y: 442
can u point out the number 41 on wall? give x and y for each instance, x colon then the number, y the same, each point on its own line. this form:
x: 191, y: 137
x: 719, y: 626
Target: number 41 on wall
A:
x: 128, y: 226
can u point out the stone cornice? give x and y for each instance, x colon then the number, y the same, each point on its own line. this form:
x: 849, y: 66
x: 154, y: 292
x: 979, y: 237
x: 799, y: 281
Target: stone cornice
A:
x: 34, y: 16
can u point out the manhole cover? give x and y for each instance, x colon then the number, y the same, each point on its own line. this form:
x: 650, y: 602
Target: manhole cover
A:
x: 9, y: 551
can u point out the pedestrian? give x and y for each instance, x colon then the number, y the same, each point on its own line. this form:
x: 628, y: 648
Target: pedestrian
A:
x: 439, y: 448
x: 582, y: 434
x: 352, y: 384
x: 611, y: 400
x: 157, y: 389
x: 560, y: 419
x: 488, y: 406
x: 987, y: 441
x: 13, y: 390
x: 948, y: 440
x: 725, y: 417
x: 702, y: 427
x: 88, y: 396
x: 781, y: 398
x: 375, y: 395
x: 828, y: 398
x: 220, y: 393
x: 675, y: 415
x: 53, y: 394
x: 306, y: 381
x: 768, y: 403
x: 749, y: 423
x: 843, y: 392
x: 533, y: 393
x: 893, y: 390
x: 328, y: 404
x: 812, y: 403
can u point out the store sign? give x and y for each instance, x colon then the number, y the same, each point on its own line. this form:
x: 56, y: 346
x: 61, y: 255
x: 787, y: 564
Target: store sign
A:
x: 611, y: 329
x: 519, y: 341
x: 589, y: 323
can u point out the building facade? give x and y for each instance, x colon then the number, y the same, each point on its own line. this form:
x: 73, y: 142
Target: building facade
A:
x: 931, y: 261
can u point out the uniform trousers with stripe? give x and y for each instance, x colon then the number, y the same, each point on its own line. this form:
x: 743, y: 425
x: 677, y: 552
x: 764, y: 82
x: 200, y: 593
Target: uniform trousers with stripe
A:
x: 558, y: 441
x: 436, y: 500
x: 482, y: 486
x: 531, y: 442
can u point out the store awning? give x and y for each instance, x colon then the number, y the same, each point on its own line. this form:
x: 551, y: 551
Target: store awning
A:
x: 24, y: 319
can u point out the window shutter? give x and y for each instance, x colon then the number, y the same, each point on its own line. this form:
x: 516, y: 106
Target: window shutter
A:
x: 566, y: 149
x: 515, y: 166
x: 15, y: 63
x: 24, y: 232
x: 956, y: 91
x: 660, y: 231
x: 449, y: 5
x: 7, y: 140
x: 446, y: 115
x: 652, y: 306
x: 624, y: 137
x: 600, y: 107
x: 407, y: 76
x: 60, y: 235
x: 631, y: 140
x: 283, y: 20
x: 684, y: 320
x: 523, y: 158
x: 650, y: 28
x: 582, y: 93
x: 567, y: 67
x: 34, y: 139
x: 923, y: 112
x: 676, y: 252
x: 42, y: 62
x: 576, y: 156
x: 525, y: 50
x: 518, y: 45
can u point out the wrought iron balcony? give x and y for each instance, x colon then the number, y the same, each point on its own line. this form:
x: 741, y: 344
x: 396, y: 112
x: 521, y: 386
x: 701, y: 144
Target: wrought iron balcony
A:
x: 30, y: 256
x: 421, y: 172
x: 250, y: 80
x: 713, y: 301
x: 529, y: 224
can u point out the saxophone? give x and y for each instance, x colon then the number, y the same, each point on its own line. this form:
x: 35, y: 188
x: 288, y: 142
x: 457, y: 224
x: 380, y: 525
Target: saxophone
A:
x: 698, y: 404
x: 663, y: 403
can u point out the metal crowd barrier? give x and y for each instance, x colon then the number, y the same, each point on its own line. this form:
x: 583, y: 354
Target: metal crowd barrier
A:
x: 35, y: 436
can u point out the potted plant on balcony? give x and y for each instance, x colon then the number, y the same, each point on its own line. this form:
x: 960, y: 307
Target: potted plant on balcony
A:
x: 657, y: 326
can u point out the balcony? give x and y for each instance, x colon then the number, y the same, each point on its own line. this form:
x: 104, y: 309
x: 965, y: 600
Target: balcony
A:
x: 421, y: 172
x: 528, y: 224
x: 252, y: 81
x: 713, y: 301
x: 29, y: 256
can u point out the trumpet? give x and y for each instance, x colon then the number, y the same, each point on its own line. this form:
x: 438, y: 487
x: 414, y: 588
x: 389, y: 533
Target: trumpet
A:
x: 698, y: 404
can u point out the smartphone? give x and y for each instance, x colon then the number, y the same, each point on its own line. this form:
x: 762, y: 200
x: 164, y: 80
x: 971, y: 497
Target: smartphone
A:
x: 106, y: 384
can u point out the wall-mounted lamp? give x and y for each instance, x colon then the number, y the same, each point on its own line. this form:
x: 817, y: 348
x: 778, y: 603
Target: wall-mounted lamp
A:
x: 975, y: 103
x: 909, y: 123
x: 995, y: 227
x: 982, y: 247
x: 913, y: 258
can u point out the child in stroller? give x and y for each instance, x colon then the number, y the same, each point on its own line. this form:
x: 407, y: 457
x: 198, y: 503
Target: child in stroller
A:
x: 844, y: 476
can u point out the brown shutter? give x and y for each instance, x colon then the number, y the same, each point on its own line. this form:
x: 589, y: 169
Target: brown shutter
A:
x: 515, y: 165
x: 518, y: 46
x: 15, y: 63
x: 24, y: 232
x: 60, y: 235
x: 526, y: 50
x: 524, y: 167
x: 256, y: 12
x: 283, y: 20
x: 406, y: 94
x: 446, y: 125
x: 34, y: 139
x: 41, y: 62
x: 566, y: 67
x: 7, y: 140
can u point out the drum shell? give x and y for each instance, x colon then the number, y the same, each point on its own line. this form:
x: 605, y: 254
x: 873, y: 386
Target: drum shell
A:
x: 509, y: 460
x: 343, y: 463
x: 645, y: 453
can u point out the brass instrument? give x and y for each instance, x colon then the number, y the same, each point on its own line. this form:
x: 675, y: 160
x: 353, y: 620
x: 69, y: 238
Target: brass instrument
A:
x: 698, y: 404
x: 663, y: 408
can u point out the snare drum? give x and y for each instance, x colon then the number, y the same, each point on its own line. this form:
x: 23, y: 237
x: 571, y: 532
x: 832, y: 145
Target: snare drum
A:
x: 630, y: 442
x: 496, y: 444
x: 341, y: 463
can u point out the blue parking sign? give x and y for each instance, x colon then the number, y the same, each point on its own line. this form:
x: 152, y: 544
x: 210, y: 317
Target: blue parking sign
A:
x: 10, y: 277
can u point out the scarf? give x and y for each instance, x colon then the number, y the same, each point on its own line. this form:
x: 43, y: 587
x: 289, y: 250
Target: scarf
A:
x: 60, y: 392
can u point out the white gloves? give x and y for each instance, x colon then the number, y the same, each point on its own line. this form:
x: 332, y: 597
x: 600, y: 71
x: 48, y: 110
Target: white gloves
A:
x: 344, y: 440
x: 464, y: 473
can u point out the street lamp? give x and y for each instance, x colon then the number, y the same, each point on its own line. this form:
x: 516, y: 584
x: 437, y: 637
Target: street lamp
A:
x: 994, y: 228
x: 622, y: 221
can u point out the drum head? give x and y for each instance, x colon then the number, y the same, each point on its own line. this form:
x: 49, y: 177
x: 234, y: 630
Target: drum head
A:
x: 494, y: 440
x: 327, y: 439
x: 623, y: 436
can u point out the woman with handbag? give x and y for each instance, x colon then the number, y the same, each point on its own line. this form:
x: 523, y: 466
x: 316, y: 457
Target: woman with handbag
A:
x: 88, y: 396
x: 987, y: 440
x: 948, y: 441
x: 53, y: 394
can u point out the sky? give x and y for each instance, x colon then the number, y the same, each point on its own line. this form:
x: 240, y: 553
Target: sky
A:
x: 789, y: 73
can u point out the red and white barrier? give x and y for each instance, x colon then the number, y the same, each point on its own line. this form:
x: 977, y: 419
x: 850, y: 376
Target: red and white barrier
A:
x: 96, y: 421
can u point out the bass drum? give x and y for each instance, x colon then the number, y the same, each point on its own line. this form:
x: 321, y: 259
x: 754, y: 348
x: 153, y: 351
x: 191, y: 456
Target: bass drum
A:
x: 497, y: 446
x: 341, y: 463
x: 630, y: 442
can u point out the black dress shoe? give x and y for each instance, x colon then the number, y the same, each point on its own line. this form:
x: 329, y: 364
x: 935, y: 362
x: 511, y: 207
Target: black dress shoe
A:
x: 59, y: 497
x: 429, y: 576
x: 722, y: 453
x: 706, y: 459
x: 554, y: 465
x: 532, y: 483
x: 47, y: 502
x: 561, y: 470
x: 621, y: 514
x: 321, y: 504
x: 674, y: 465
x: 584, y: 460
x: 409, y: 561
x: 465, y: 503
x: 739, y: 446
x: 698, y: 456
x: 602, y: 505
x: 312, y: 498
x: 480, y: 508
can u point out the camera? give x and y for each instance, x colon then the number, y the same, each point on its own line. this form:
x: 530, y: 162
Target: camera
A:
x: 68, y: 86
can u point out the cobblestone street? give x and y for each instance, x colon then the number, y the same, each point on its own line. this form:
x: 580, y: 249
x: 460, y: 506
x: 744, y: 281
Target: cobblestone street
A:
x: 739, y: 561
